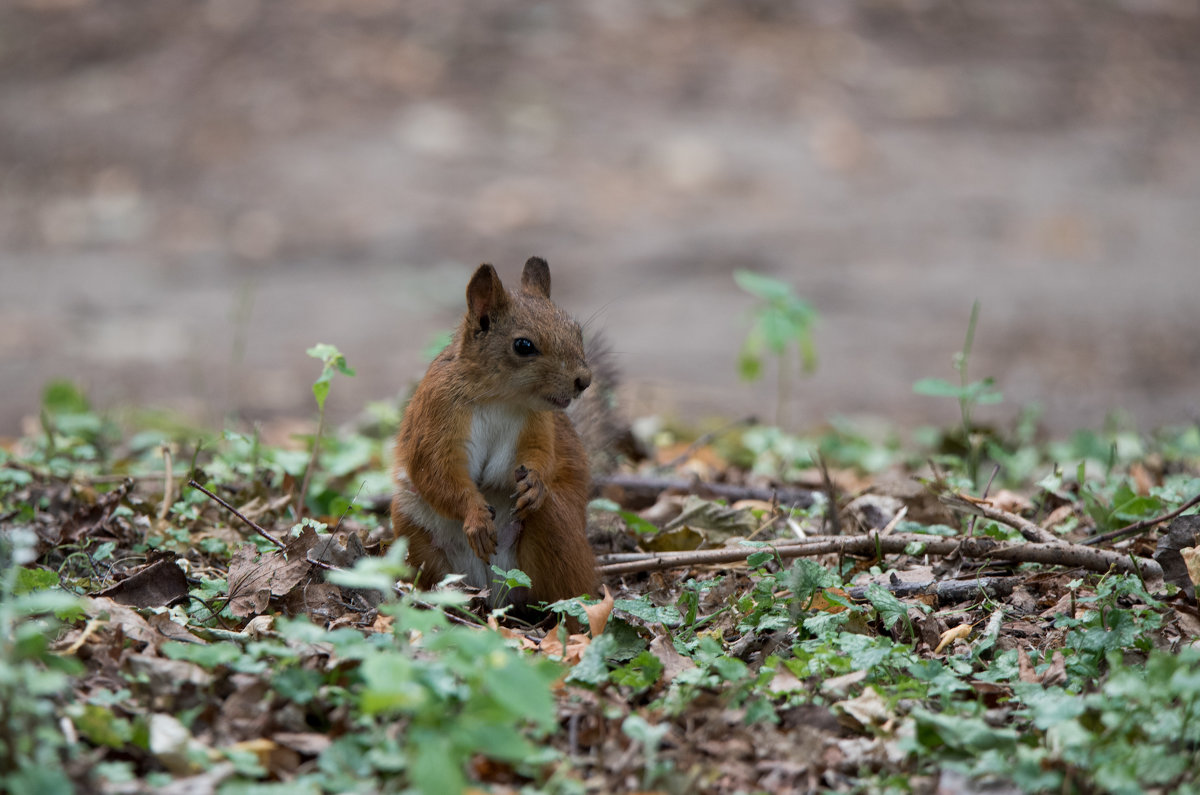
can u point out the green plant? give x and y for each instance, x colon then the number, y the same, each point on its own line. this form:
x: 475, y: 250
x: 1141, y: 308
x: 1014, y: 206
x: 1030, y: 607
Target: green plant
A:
x: 780, y: 320
x: 969, y: 394
x: 332, y: 362
x: 32, y: 678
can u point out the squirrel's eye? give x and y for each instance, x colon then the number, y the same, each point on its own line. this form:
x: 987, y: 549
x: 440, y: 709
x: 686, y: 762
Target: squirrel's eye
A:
x: 523, y: 347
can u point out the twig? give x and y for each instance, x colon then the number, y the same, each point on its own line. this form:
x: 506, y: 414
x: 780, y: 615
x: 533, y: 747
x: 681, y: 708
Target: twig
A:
x: 964, y: 503
x: 800, y: 498
x: 832, y: 514
x: 1056, y: 554
x: 1144, y: 524
x: 249, y: 522
x: 986, y: 489
x: 312, y: 464
x: 628, y: 557
x: 168, y: 483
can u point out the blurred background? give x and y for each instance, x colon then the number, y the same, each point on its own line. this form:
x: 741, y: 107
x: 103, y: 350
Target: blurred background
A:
x: 193, y: 193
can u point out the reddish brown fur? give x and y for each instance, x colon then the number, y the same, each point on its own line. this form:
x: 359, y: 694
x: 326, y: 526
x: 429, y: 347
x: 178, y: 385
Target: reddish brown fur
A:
x: 550, y: 480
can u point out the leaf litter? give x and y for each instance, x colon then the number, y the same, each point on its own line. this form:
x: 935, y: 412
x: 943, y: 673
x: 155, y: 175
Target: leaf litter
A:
x: 924, y: 646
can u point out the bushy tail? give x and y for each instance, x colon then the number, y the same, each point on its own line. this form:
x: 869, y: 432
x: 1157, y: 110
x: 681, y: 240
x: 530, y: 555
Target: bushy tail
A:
x: 606, y: 434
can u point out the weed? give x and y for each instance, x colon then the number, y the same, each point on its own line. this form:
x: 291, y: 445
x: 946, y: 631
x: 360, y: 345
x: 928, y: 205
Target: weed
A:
x: 780, y: 320
x: 332, y: 362
x: 969, y: 394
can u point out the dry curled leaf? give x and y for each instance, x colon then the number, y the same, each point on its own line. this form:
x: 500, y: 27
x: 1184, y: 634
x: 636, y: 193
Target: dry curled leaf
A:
x: 598, y: 613
x: 954, y: 633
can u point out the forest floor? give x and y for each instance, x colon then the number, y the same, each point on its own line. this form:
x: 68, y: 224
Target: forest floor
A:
x: 779, y: 614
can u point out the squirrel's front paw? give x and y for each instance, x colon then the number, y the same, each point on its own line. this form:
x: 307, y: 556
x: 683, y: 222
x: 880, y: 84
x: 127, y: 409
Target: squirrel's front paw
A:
x: 531, y: 491
x: 481, y: 531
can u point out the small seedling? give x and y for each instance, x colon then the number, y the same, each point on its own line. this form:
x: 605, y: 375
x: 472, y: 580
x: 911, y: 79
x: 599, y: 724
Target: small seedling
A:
x: 969, y: 394
x: 780, y: 320
x: 333, y: 362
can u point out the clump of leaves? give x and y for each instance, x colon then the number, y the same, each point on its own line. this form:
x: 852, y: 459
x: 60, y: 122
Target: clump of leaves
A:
x: 780, y: 320
x: 32, y: 679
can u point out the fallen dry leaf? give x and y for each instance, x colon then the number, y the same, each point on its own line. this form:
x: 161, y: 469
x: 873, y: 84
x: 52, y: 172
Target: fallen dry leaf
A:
x: 954, y: 633
x: 673, y: 662
x: 1191, y: 560
x: 254, y: 578
x: 1056, y: 674
x: 865, y: 710
x: 1025, y: 667
x: 840, y: 685
x: 1010, y: 501
x: 572, y: 652
x: 159, y: 584
x: 598, y: 613
x: 784, y: 681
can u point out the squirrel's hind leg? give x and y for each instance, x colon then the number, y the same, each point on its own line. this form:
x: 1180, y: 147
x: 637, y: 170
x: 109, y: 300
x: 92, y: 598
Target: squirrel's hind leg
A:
x: 553, y: 550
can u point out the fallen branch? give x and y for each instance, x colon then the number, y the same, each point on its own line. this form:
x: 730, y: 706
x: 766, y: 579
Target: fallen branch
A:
x: 1056, y: 554
x: 799, y: 498
x: 249, y: 522
x: 1144, y: 524
x: 973, y: 505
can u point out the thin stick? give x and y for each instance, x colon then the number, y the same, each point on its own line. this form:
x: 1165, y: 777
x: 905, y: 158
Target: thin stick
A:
x: 1144, y: 524
x: 249, y: 522
x: 986, y: 489
x: 312, y: 464
x: 832, y: 516
x: 964, y: 503
x: 168, y: 485
x: 1056, y: 554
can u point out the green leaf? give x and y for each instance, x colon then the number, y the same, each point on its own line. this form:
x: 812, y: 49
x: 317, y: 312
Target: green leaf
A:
x: 390, y: 685
x: 758, y: 559
x: 750, y: 366
x: 938, y: 387
x: 730, y: 669
x: 206, y: 655
x: 890, y: 608
x: 513, y: 578
x: 592, y: 669
x: 640, y: 673
x: 522, y: 687
x: 35, y: 580
x: 764, y: 287
x: 435, y: 765
x: 806, y: 577
x: 64, y: 397
x: 645, y: 610
x: 334, y: 362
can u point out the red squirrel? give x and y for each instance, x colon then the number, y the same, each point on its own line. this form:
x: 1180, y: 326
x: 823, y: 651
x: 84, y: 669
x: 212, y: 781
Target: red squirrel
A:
x: 490, y: 470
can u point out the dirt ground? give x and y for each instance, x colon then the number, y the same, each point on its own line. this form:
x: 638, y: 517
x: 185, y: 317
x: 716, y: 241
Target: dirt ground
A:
x: 193, y: 193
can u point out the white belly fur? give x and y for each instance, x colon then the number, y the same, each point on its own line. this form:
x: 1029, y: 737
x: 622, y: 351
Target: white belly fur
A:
x: 491, y: 460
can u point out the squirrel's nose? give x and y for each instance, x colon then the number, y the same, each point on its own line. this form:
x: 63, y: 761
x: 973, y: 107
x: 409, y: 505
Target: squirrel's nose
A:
x: 582, y: 381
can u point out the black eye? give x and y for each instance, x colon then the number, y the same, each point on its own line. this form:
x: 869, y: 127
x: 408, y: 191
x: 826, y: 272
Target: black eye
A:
x: 523, y: 347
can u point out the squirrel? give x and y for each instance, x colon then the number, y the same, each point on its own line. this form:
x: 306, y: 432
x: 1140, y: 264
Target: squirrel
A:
x: 489, y: 468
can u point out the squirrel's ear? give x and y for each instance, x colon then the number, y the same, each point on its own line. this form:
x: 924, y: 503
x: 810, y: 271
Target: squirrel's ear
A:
x: 535, y: 278
x: 485, y: 295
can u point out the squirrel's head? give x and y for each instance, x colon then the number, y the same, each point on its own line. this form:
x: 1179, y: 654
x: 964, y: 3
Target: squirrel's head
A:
x: 526, y: 350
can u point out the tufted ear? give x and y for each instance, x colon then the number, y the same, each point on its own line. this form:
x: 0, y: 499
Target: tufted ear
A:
x: 485, y: 296
x: 535, y: 279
